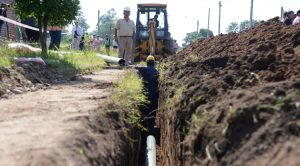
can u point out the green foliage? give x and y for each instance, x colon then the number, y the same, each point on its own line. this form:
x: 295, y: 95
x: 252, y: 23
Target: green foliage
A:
x: 199, y: 120
x: 47, y: 12
x: 192, y: 58
x: 205, y: 33
x: 82, y: 62
x: 6, y: 56
x: 82, y: 22
x: 163, y: 68
x: 107, y: 24
x: 130, y: 95
x: 172, y: 100
x: 235, y: 27
x: 193, y: 36
x: 129, y: 92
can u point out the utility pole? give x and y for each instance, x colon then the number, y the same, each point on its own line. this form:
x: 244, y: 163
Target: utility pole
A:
x: 251, y: 14
x: 197, y: 26
x: 220, y: 5
x: 208, y: 23
x: 98, y: 23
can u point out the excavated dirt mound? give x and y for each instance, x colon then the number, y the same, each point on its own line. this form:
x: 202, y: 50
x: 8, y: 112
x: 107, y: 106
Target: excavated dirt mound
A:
x: 233, y: 99
x: 23, y: 78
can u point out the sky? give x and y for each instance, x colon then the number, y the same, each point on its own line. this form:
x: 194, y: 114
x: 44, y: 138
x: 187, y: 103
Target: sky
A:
x: 184, y: 14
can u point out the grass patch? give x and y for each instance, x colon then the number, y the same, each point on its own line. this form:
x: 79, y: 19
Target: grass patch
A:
x: 129, y: 95
x: 175, y: 98
x: 6, y: 56
x: 192, y: 58
x: 163, y: 69
x: 80, y: 61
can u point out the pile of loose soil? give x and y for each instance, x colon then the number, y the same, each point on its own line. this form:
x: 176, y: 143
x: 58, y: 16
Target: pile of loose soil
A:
x: 233, y: 99
x: 28, y: 77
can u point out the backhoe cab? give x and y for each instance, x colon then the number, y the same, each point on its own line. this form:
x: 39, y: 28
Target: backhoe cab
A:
x: 152, y: 36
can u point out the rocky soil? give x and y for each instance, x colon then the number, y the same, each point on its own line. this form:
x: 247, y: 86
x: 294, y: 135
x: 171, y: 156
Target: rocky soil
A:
x: 233, y: 99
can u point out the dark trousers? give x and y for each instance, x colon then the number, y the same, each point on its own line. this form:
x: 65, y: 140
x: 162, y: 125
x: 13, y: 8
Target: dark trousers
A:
x: 32, y: 36
x: 1, y: 23
x: 55, y: 39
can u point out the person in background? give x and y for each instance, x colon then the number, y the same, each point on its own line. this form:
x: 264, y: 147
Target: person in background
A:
x: 107, y: 44
x: 97, y: 44
x: 125, y: 30
x: 297, y: 19
x: 77, y: 34
x: 3, y: 12
x: 81, y: 43
x: 289, y: 18
x: 115, y: 45
x: 284, y: 16
x: 55, y: 35
x: 92, y: 42
x: 155, y: 20
x: 31, y: 35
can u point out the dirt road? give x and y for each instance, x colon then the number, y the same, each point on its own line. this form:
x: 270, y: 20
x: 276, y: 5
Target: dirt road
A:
x: 39, y: 128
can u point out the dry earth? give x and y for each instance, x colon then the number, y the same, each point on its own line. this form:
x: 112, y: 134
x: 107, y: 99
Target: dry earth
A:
x: 56, y: 126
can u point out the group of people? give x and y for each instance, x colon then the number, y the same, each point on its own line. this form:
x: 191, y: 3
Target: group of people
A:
x: 290, y: 18
x: 80, y: 40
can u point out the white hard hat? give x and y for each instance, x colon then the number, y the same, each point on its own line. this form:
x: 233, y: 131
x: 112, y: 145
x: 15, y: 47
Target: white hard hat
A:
x: 127, y: 9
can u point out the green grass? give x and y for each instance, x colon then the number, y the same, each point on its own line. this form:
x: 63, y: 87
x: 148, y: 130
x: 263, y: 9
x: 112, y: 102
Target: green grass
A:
x: 6, y: 56
x: 79, y: 61
x: 129, y: 95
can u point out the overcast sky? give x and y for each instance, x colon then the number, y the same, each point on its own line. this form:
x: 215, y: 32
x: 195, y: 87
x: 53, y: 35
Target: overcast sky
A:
x: 183, y: 14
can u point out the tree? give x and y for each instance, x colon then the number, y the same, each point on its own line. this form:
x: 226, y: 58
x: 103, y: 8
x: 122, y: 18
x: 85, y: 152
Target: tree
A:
x: 47, y: 12
x: 246, y: 24
x: 193, y: 36
x: 107, y: 23
x: 233, y: 28
x: 206, y: 33
x: 82, y: 22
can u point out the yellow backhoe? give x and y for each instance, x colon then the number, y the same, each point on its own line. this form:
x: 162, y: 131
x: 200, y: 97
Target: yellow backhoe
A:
x: 152, y: 36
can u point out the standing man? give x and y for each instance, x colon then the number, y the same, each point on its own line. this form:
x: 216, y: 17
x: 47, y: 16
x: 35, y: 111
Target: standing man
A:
x: 77, y: 35
x: 55, y: 35
x: 125, y: 30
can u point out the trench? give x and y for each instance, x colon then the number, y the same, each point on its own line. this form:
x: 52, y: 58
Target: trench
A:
x: 150, y: 139
x: 130, y: 145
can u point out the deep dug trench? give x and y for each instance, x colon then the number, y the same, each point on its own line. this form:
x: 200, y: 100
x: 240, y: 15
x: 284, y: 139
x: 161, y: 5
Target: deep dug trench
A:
x: 233, y: 99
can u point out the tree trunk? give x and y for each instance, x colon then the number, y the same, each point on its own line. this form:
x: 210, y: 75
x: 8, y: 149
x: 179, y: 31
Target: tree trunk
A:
x: 44, y: 40
x: 43, y: 22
